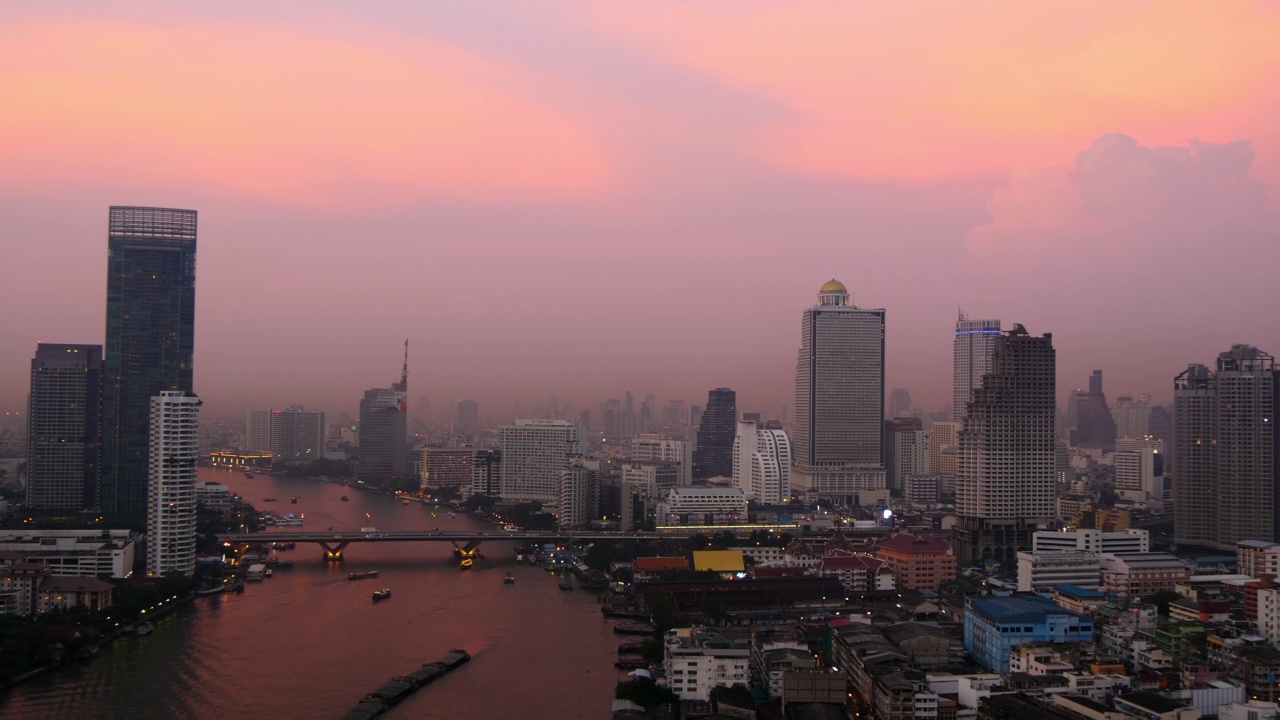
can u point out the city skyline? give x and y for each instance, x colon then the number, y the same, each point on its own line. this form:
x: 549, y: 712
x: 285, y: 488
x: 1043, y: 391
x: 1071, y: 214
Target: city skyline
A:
x: 1113, y: 224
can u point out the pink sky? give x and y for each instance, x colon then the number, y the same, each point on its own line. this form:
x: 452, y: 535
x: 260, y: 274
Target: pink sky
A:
x: 584, y: 198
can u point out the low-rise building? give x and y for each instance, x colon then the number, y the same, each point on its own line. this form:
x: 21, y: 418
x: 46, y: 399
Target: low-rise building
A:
x: 1141, y: 574
x: 213, y: 496
x: 1152, y: 706
x: 698, y: 660
x: 686, y: 506
x: 993, y: 625
x: 1091, y: 540
x: 919, y: 562
x: 68, y: 592
x: 1258, y: 558
x: 1077, y: 599
x: 858, y: 573
x: 1249, y: 710
x: 91, y: 552
x: 1042, y: 571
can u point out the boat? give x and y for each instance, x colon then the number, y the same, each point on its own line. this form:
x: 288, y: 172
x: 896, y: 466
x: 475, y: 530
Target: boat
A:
x: 346, y: 499
x: 631, y: 664
x: 362, y: 575
x: 509, y: 579
x: 143, y: 629
x: 268, y: 500
x: 382, y: 594
x: 565, y: 584
x: 455, y: 658
x: 406, y: 502
x: 266, y: 573
x: 630, y: 648
x: 293, y: 500
x: 240, y: 588
x: 249, y: 475
x: 632, y: 629
x: 219, y: 588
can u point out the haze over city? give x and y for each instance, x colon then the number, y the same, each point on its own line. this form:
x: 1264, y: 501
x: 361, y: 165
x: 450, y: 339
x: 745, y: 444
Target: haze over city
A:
x: 579, y: 199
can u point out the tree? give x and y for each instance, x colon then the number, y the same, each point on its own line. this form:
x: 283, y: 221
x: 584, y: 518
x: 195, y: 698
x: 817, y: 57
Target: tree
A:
x: 1161, y: 599
x: 713, y: 608
x: 601, y: 555
x: 724, y: 539
x: 663, y: 608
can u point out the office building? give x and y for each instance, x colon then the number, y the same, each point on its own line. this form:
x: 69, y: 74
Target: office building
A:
x: 713, y: 455
x: 257, y: 431
x: 993, y: 626
x: 1005, y: 484
x: 702, y: 506
x: 150, y: 341
x: 1041, y: 571
x: 651, y: 447
x: 974, y: 343
x: 579, y: 492
x: 1226, y: 435
x: 762, y: 463
x: 839, y: 410
x: 90, y: 552
x: 652, y: 478
x: 384, y: 429
x: 1141, y: 574
x: 1139, y: 464
x: 1095, y: 426
x: 944, y: 447
x: 171, y: 515
x: 447, y: 467
x: 906, y: 451
x: 534, y: 455
x: 919, y: 562
x: 64, y: 421
x: 486, y: 472
x: 1133, y: 417
x: 468, y: 415
x: 1090, y: 540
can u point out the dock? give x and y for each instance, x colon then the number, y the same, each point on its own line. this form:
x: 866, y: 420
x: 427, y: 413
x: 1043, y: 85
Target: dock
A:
x: 398, y: 688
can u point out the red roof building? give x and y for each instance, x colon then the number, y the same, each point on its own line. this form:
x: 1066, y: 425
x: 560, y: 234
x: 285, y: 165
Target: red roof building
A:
x: 919, y: 562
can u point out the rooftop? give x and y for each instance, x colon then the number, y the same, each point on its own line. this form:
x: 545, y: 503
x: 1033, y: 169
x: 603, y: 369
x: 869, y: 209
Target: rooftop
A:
x: 1018, y: 609
x: 1078, y: 592
x: 907, y: 542
x: 1150, y: 701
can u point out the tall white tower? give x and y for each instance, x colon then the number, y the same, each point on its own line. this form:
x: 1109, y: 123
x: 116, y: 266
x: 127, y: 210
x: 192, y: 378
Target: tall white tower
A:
x: 171, y: 489
x: 762, y: 463
x: 975, y: 342
x: 839, y: 410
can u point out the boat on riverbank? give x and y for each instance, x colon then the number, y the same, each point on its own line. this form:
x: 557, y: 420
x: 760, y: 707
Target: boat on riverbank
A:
x: 632, y: 629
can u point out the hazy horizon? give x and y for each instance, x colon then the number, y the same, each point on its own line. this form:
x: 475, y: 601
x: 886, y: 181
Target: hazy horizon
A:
x: 579, y: 199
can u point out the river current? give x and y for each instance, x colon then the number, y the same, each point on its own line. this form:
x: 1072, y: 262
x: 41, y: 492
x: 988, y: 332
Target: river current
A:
x: 309, y: 643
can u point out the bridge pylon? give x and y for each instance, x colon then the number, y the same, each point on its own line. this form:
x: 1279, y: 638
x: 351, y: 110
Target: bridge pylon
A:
x: 333, y: 553
x: 467, y: 554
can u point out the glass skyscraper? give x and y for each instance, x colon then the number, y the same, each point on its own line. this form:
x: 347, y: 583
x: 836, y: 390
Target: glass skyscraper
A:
x: 64, y: 439
x: 714, y: 454
x: 151, y: 298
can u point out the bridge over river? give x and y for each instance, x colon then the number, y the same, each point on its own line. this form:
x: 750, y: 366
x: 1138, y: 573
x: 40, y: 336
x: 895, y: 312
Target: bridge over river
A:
x: 466, y: 543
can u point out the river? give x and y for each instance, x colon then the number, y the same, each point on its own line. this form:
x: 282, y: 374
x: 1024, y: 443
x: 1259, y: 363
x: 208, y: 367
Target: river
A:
x: 308, y: 643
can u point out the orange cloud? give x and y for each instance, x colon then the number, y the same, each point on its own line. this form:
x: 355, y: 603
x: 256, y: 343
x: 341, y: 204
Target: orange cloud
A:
x: 914, y: 90
x: 281, y: 116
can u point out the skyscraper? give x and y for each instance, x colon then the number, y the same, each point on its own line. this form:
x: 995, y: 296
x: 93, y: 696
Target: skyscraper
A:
x: 713, y: 455
x: 762, y: 463
x: 906, y: 451
x: 384, y: 427
x: 171, y: 493
x: 1226, y: 475
x: 971, y: 359
x: 468, y: 415
x: 151, y: 297
x: 839, y: 408
x: 1005, y: 486
x: 899, y: 403
x: 1095, y: 425
x: 1133, y: 417
x: 64, y: 436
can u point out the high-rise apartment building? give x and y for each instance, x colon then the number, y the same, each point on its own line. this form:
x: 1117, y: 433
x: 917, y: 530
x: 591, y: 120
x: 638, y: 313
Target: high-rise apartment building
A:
x: 151, y: 297
x: 171, y: 493
x: 906, y: 451
x: 579, y: 492
x: 971, y: 360
x: 839, y: 408
x: 713, y: 456
x: 1226, y: 479
x: 1005, y: 485
x: 762, y: 463
x: 64, y: 431
x: 468, y: 415
x: 292, y: 435
x: 651, y: 447
x: 384, y: 428
x: 1140, y: 470
x: 944, y: 447
x: 534, y: 456
x: 1133, y: 417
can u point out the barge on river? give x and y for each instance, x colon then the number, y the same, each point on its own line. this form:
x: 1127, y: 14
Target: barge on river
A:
x: 398, y: 688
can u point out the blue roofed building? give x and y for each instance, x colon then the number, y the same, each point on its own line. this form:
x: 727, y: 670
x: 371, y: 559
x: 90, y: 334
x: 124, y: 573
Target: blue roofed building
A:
x: 1078, y: 599
x: 994, y: 625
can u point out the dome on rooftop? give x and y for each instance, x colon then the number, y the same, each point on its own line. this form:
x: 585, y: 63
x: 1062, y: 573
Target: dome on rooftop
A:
x: 833, y: 286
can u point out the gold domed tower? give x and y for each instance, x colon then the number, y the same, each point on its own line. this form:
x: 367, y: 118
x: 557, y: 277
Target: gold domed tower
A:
x: 833, y: 292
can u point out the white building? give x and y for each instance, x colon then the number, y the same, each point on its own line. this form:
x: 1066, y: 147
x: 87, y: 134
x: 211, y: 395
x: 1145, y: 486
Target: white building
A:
x: 762, y: 463
x: 1256, y: 558
x: 652, y: 447
x: 974, y: 345
x: 1090, y: 540
x: 171, y: 490
x: 697, y: 662
x: 75, y: 552
x: 1041, y: 571
x: 579, y: 492
x: 1249, y: 710
x: 1140, y: 469
x: 1133, y: 417
x: 1269, y: 614
x: 702, y: 506
x: 257, y: 434
x: 213, y: 496
x: 907, y: 449
x: 534, y: 454
x: 653, y: 477
x: 839, y: 409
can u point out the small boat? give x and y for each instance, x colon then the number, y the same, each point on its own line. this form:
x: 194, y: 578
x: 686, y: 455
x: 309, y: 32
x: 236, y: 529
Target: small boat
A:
x: 293, y: 500
x: 240, y: 588
x: 143, y: 629
x: 345, y: 498
x: 509, y: 579
x: 268, y: 499
x: 382, y: 594
x: 565, y: 584
x: 266, y: 573
x: 406, y: 502
x: 362, y: 575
